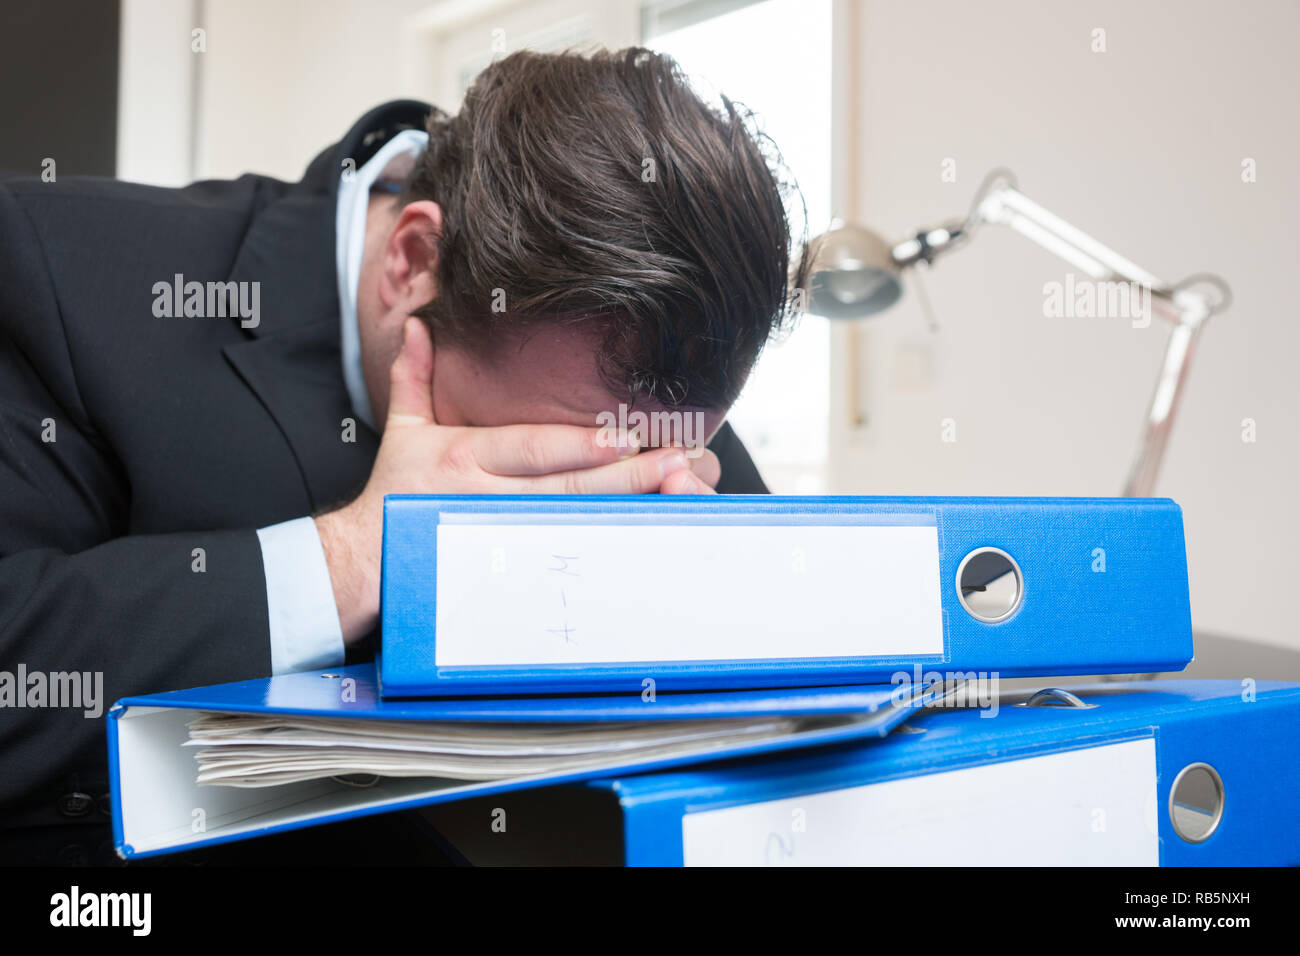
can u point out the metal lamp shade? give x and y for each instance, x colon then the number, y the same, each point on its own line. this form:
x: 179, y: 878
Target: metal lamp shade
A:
x: 854, y: 274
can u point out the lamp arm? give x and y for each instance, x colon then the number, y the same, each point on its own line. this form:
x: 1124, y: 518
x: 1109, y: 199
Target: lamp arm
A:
x: 1185, y: 308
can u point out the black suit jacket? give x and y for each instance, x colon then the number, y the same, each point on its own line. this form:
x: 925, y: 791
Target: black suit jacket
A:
x: 168, y: 435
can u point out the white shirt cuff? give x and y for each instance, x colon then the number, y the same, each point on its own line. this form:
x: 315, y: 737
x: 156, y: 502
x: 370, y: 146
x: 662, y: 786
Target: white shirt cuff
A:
x: 305, y: 631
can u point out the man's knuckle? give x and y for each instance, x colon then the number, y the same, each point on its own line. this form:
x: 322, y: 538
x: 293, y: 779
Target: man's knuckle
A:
x: 534, y: 452
x: 574, y: 483
x: 460, y: 457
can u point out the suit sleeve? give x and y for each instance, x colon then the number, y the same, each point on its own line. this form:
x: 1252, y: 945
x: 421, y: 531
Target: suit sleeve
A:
x: 739, y: 473
x: 79, y: 593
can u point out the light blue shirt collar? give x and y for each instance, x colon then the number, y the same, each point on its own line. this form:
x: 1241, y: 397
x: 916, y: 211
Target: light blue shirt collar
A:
x: 350, y: 233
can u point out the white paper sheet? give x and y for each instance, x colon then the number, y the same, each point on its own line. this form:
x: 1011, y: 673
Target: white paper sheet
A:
x: 1089, y: 807
x: 512, y: 595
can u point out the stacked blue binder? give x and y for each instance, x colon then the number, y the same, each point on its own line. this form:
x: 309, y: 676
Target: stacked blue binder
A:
x: 497, y: 594
x: 1123, y: 774
x: 744, y: 680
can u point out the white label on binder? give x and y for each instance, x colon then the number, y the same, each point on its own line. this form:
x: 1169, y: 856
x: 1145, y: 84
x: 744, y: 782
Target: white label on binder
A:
x: 568, y: 593
x: 1088, y: 807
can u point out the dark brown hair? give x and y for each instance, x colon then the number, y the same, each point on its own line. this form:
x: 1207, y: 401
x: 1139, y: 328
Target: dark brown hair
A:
x: 601, y: 191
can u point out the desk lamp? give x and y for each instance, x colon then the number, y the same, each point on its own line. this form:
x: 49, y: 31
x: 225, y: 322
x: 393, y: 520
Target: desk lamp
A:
x: 856, y: 274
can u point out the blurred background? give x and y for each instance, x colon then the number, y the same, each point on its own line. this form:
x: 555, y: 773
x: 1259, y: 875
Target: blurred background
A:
x: 1164, y: 128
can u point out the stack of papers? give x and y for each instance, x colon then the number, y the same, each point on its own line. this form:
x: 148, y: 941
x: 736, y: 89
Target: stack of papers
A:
x: 245, y: 750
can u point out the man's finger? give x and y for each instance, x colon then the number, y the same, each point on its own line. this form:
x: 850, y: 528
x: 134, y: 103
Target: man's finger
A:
x: 685, y: 483
x: 707, y: 468
x: 638, y: 475
x: 548, y: 449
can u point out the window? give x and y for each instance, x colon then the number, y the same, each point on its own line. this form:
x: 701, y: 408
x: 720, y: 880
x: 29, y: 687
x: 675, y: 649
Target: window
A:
x: 775, y: 58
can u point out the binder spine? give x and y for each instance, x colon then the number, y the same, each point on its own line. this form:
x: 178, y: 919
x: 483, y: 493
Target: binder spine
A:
x: 1101, y: 587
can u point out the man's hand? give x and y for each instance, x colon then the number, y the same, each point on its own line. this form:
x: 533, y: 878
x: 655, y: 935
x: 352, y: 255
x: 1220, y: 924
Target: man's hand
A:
x: 417, y: 455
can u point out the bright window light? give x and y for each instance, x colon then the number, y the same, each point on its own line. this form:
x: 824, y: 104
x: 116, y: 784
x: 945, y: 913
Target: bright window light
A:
x: 775, y: 58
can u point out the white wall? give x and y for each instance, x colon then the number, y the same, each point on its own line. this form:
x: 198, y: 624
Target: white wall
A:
x: 1142, y: 147
x: 283, y: 79
x: 155, y: 92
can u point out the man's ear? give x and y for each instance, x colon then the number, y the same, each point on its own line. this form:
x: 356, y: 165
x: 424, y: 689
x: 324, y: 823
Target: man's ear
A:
x: 409, y: 278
